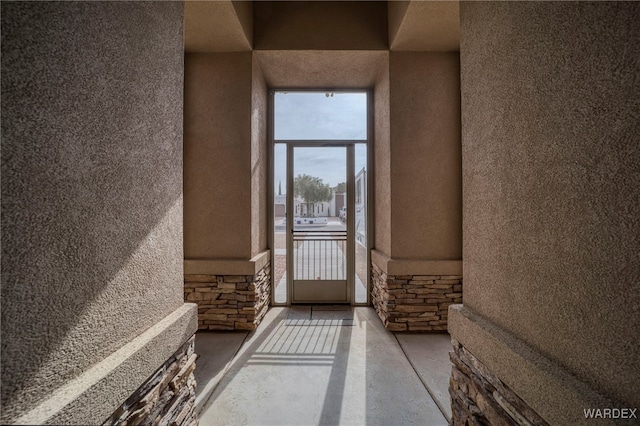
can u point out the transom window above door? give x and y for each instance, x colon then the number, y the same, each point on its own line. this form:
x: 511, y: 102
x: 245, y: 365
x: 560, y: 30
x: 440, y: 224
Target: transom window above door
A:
x: 320, y: 115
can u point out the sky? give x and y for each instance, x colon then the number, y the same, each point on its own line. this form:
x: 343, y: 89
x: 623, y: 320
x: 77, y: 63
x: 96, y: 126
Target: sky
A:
x: 314, y: 115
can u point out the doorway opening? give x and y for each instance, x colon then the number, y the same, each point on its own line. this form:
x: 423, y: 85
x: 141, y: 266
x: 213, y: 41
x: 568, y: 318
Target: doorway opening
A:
x: 320, y: 179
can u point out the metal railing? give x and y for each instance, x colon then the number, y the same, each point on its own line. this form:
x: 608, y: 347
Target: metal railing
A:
x: 319, y: 255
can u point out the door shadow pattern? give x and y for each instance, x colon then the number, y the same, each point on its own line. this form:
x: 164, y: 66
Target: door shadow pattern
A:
x: 320, y: 372
x: 302, y: 345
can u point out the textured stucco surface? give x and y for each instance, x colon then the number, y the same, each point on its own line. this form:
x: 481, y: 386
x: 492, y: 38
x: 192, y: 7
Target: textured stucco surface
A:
x: 91, y: 185
x: 415, y: 266
x: 425, y: 166
x: 320, y: 25
x: 97, y: 393
x: 321, y: 68
x: 259, y: 160
x: 551, y: 162
x: 382, y: 163
x: 217, y: 155
x: 418, y: 194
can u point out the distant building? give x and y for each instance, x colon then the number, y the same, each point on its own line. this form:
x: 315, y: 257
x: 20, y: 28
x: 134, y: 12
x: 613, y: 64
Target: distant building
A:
x: 323, y: 209
x: 327, y: 208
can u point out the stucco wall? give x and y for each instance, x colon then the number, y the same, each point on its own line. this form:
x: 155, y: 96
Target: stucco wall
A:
x: 91, y: 188
x: 259, y: 160
x: 382, y: 162
x: 425, y: 171
x: 217, y: 150
x: 551, y: 183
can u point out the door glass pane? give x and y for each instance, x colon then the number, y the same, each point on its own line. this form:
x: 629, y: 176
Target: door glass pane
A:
x: 362, y: 277
x: 320, y: 116
x: 319, y: 238
x: 279, y: 213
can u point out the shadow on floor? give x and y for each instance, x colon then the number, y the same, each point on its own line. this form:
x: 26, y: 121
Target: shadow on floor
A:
x: 320, y: 372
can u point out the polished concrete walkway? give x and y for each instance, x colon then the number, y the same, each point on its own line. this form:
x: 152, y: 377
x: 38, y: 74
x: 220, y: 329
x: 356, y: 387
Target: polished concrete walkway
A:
x: 322, y: 367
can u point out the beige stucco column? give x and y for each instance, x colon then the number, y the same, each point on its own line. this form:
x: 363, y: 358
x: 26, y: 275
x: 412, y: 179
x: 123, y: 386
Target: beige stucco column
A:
x: 94, y: 324
x: 550, y: 159
x: 418, y: 210
x: 225, y: 180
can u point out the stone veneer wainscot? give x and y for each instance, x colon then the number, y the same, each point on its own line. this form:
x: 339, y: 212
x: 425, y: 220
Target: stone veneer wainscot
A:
x: 167, y: 398
x: 229, y: 302
x: 414, y: 302
x: 478, y: 397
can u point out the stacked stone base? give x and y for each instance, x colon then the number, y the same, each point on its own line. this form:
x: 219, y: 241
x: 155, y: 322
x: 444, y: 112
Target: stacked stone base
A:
x: 478, y: 397
x: 229, y: 302
x: 167, y: 398
x: 414, y: 302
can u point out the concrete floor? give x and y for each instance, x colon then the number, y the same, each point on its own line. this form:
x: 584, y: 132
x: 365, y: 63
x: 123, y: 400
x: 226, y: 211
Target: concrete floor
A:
x: 322, y: 367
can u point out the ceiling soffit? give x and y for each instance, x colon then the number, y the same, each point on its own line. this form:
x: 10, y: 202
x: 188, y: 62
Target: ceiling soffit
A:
x: 425, y: 26
x: 395, y: 12
x: 218, y: 26
x: 321, y: 69
x: 320, y: 25
x: 227, y: 26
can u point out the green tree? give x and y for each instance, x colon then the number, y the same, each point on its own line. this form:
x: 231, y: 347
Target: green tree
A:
x: 312, y: 190
x: 340, y: 188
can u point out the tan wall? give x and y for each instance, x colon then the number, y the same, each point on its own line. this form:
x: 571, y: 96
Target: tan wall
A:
x: 320, y: 69
x: 259, y: 161
x: 550, y: 156
x: 217, y: 156
x: 426, y: 193
x: 91, y: 205
x: 320, y: 25
x: 382, y: 163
